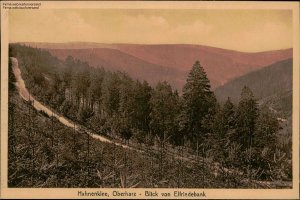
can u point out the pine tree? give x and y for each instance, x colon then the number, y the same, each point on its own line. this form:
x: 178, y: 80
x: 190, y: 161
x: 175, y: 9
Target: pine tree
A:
x: 68, y: 70
x: 229, y: 114
x: 164, y: 105
x: 142, y: 109
x: 223, y: 127
x: 247, y: 113
x: 111, y: 94
x: 266, y: 128
x: 164, y: 110
x: 126, y: 107
x: 95, y: 90
x: 198, y: 102
x: 265, y: 143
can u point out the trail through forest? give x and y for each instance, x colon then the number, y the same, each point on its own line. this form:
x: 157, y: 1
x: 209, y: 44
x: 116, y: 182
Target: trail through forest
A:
x: 25, y: 94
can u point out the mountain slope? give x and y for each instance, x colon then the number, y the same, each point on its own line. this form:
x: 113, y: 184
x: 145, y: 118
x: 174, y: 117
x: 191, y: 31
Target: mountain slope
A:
x: 221, y: 65
x: 115, y: 60
x: 280, y: 104
x: 268, y: 81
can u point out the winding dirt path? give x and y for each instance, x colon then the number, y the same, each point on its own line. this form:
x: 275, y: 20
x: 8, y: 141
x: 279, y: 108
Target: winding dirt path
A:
x: 25, y: 94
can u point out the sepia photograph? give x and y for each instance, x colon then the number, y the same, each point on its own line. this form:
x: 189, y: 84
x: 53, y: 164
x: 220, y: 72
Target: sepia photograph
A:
x: 149, y: 100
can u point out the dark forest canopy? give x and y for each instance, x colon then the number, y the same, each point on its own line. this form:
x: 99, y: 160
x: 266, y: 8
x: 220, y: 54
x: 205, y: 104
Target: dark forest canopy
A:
x: 276, y: 78
x: 113, y: 104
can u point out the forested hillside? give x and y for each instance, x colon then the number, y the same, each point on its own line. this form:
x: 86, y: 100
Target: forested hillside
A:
x: 272, y: 86
x: 115, y: 60
x: 265, y: 82
x: 224, y: 144
x: 44, y: 153
x: 170, y: 62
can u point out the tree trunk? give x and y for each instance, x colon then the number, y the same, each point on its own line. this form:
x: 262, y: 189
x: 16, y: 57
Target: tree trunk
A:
x: 203, y: 151
x: 88, y: 154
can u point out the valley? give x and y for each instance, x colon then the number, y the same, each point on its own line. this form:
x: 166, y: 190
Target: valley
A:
x: 140, y: 125
x: 172, y: 63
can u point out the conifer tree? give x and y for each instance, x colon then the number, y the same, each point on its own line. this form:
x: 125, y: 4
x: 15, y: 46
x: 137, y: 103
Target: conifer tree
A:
x: 111, y: 94
x: 198, y: 101
x: 266, y: 128
x: 223, y: 127
x: 126, y: 107
x: 164, y: 104
x: 247, y: 113
x: 142, y: 109
x: 164, y: 110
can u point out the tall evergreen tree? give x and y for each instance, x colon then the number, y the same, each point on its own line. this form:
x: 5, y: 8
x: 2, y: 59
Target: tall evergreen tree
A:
x: 229, y: 114
x: 198, y: 102
x: 142, y: 109
x: 95, y: 89
x: 68, y: 70
x: 247, y: 113
x: 266, y: 145
x: 111, y: 93
x: 223, y: 127
x: 164, y: 107
x: 164, y: 110
x: 266, y: 128
x: 126, y: 107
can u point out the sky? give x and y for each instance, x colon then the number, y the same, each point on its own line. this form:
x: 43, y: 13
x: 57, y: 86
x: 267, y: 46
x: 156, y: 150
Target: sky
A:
x: 242, y: 30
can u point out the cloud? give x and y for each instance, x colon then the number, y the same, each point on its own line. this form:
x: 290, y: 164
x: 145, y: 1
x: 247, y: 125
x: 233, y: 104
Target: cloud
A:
x: 157, y: 29
x: 48, y: 26
x: 260, y: 30
x: 144, y: 24
x: 196, y: 29
x: 271, y: 35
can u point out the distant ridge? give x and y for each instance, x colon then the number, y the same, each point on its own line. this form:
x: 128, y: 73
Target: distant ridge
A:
x: 170, y: 62
x: 275, y: 79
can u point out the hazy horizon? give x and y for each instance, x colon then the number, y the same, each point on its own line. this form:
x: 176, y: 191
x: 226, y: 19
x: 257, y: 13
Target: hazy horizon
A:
x: 238, y: 30
x: 142, y: 44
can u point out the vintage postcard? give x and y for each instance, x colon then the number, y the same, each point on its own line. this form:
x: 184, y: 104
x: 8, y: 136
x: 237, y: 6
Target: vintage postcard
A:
x: 149, y: 100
